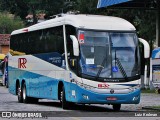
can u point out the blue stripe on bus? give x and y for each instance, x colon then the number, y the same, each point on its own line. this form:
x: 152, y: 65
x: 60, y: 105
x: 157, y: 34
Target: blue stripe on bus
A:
x: 40, y: 86
x: 96, y: 98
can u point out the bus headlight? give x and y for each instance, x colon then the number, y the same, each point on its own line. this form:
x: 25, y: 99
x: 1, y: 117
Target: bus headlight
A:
x: 132, y: 89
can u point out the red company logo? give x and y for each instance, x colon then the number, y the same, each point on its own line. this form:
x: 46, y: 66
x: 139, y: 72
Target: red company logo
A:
x: 22, y: 62
x: 103, y: 86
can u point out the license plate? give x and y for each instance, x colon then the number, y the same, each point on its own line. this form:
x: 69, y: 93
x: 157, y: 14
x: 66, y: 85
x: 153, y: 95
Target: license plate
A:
x: 111, y: 98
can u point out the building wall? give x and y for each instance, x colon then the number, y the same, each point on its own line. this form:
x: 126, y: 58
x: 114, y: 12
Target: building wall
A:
x: 4, y: 49
x: 4, y: 43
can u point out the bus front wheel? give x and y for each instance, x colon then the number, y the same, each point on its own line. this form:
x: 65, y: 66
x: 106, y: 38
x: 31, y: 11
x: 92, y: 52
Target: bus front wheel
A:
x: 65, y: 104
x: 116, y: 107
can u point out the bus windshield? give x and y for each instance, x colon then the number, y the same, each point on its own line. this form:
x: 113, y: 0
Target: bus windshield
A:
x: 109, y: 55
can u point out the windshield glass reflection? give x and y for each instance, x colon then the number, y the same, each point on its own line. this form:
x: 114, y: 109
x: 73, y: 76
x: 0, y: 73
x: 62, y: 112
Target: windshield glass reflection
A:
x: 99, y: 52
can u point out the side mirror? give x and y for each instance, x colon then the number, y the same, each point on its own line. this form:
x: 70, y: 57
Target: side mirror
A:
x: 146, y: 48
x: 75, y: 45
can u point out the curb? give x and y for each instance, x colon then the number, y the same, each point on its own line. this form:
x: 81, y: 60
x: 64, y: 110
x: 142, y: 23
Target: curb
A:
x: 151, y: 108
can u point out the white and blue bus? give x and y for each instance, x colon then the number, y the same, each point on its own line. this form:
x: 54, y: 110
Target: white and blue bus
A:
x: 84, y: 59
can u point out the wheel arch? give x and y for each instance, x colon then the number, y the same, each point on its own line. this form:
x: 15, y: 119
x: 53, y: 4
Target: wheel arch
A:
x: 23, y: 81
x: 60, y: 87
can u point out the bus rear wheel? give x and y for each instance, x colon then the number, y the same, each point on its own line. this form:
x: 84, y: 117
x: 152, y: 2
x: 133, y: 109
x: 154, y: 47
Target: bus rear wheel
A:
x: 19, y: 94
x: 24, y: 93
x: 116, y: 107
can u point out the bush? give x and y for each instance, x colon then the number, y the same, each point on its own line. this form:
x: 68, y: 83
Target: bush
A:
x: 9, y: 22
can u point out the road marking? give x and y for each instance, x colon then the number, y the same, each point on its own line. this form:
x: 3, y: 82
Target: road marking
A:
x: 75, y: 118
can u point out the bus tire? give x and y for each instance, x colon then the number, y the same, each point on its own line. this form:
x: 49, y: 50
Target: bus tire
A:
x: 24, y: 94
x: 19, y: 94
x: 116, y: 107
x: 65, y: 104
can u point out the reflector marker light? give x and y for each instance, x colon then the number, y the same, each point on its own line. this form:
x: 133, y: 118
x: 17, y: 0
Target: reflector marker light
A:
x: 25, y: 30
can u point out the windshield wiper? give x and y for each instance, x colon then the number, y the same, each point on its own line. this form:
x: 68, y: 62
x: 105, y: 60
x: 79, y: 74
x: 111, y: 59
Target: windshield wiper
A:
x: 101, y: 67
x: 120, y: 67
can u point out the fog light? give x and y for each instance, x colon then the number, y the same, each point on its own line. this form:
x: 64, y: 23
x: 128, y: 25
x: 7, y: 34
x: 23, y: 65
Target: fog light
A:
x: 85, y: 97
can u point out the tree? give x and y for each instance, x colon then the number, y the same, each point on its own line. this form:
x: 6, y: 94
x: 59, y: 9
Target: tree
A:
x: 143, y: 20
x: 23, y: 7
x: 84, y: 6
x: 16, y: 7
x: 9, y: 22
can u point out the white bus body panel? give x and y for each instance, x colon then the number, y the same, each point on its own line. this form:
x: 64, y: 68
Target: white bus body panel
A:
x: 96, y: 22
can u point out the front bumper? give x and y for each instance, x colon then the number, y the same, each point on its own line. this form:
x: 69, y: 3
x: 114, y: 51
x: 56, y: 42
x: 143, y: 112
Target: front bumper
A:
x: 80, y: 95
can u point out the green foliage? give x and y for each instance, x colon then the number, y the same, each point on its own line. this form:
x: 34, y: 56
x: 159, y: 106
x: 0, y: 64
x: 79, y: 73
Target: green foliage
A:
x: 53, y: 7
x: 147, y: 91
x: 23, y: 7
x: 16, y: 7
x: 86, y: 6
x: 143, y: 20
x: 8, y: 23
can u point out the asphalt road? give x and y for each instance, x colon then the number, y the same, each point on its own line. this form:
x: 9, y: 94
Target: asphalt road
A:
x: 49, y: 109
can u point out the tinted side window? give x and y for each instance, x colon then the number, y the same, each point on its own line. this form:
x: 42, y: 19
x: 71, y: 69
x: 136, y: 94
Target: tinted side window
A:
x: 51, y: 46
x: 40, y: 41
x: 18, y: 44
x: 53, y: 40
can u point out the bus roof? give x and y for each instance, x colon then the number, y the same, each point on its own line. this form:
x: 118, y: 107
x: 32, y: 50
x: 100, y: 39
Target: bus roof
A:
x: 97, y: 22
